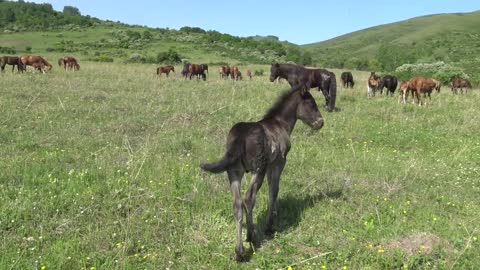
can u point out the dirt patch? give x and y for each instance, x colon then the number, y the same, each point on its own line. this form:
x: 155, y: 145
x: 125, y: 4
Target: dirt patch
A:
x: 418, y: 242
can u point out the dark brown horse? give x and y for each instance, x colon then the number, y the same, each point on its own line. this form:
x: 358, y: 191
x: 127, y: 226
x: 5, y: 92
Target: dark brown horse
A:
x: 261, y: 148
x: 165, y: 69
x: 13, y: 61
x: 69, y: 62
x: 301, y: 77
x: 458, y: 84
x: 195, y: 69
x: 347, y: 79
x: 30, y: 60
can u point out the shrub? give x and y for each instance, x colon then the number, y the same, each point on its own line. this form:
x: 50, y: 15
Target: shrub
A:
x: 169, y: 57
x: 439, y: 70
x: 8, y: 50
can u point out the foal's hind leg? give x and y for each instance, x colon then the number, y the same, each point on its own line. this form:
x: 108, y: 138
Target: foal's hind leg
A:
x: 250, y: 198
x: 273, y: 174
x: 235, y: 178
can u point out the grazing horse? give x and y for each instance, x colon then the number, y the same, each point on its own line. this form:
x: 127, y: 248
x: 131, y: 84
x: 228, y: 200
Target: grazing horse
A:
x: 249, y: 74
x: 13, y: 61
x: 185, y: 70
x: 261, y: 148
x: 422, y: 85
x: 390, y: 82
x: 69, y: 62
x: 373, y: 84
x: 235, y: 73
x: 30, y: 60
x: 458, y: 84
x: 204, y: 67
x: 347, y: 79
x: 225, y: 73
x: 301, y: 77
x: 165, y: 69
x: 195, y: 69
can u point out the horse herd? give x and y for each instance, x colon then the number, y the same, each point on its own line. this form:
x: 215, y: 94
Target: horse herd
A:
x: 416, y: 86
x: 37, y: 62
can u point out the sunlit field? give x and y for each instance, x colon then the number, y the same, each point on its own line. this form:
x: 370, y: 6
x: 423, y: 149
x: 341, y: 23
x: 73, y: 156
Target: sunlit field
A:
x: 99, y: 169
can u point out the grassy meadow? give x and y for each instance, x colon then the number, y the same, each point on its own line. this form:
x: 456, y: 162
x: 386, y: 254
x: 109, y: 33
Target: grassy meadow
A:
x: 99, y: 170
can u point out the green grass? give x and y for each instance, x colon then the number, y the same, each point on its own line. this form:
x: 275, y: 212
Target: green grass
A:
x: 99, y: 168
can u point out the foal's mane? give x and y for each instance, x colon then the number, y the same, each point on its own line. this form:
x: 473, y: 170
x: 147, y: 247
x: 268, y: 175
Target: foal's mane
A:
x: 280, y: 103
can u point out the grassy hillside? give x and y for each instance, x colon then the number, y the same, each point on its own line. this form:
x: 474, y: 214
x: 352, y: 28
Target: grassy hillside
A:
x: 99, y: 168
x: 444, y: 37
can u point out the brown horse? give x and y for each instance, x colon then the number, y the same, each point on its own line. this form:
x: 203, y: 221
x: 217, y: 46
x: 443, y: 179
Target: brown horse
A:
x: 261, y: 148
x: 69, y: 62
x: 460, y: 84
x: 235, y: 73
x: 198, y: 70
x: 30, y: 60
x: 225, y: 72
x: 373, y: 84
x: 249, y: 74
x: 165, y: 69
x: 422, y: 85
x: 13, y: 61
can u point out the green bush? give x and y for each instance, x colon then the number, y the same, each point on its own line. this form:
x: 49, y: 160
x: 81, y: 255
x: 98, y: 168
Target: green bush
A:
x: 8, y: 50
x: 169, y: 57
x: 258, y: 72
x: 439, y: 70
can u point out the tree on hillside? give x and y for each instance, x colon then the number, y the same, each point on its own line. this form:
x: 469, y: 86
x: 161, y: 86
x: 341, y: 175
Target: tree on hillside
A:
x: 72, y: 11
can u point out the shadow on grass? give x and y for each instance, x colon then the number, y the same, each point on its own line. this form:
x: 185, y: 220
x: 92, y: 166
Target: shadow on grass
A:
x: 289, y: 212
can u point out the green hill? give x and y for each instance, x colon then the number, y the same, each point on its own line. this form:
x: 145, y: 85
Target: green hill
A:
x: 38, y: 28
x: 453, y: 38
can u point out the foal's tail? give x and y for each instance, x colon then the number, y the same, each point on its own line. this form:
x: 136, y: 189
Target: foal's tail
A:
x: 231, y: 156
x: 332, y: 90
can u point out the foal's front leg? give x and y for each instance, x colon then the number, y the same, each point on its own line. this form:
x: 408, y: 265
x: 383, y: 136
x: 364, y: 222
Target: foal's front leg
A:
x: 274, y: 172
x: 235, y: 178
x: 250, y: 198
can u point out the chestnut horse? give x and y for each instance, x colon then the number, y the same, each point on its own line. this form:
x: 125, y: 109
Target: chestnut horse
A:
x: 235, y: 73
x: 422, y: 85
x: 69, y: 62
x: 165, y: 69
x: 13, y: 61
x: 225, y: 71
x: 261, y: 148
x: 30, y: 60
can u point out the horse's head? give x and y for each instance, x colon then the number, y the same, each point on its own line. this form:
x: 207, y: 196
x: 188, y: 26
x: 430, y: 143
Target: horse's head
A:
x: 77, y: 66
x: 173, y: 68
x: 274, y: 72
x: 307, y: 110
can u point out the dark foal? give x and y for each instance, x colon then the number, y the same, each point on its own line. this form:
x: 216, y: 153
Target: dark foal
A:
x: 261, y: 148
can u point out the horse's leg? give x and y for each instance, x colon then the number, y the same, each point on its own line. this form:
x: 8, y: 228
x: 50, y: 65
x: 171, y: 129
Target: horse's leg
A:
x: 250, y: 198
x: 235, y: 178
x: 274, y: 171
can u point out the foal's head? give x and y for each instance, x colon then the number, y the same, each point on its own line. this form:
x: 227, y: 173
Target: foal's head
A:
x: 307, y: 110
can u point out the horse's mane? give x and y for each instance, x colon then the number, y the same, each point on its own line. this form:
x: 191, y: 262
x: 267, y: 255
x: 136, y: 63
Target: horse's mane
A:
x: 279, y: 104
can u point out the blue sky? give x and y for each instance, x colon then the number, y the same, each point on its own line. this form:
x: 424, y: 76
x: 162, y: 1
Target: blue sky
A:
x: 298, y: 21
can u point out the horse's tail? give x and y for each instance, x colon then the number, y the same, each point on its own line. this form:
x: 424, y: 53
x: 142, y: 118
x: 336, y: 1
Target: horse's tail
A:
x: 332, y: 91
x: 231, y: 156
x: 158, y: 71
x: 60, y: 62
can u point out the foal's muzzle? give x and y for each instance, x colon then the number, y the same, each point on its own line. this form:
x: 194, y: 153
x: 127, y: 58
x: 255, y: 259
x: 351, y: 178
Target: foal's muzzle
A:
x: 318, y: 124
